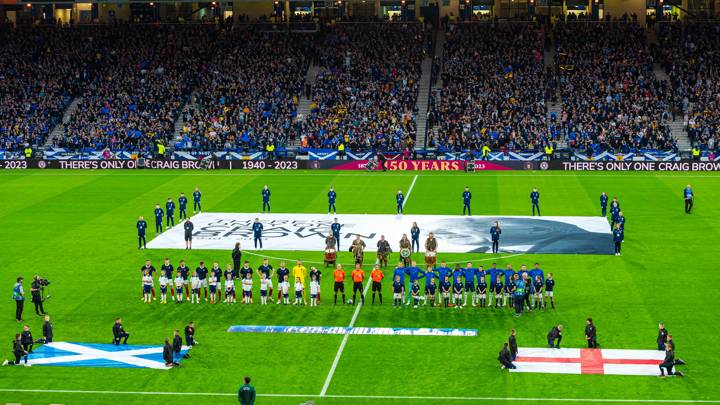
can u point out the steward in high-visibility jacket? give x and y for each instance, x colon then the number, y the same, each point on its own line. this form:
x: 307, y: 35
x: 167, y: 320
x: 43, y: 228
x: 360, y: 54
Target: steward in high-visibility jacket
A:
x: 341, y: 151
x: 485, y: 152
x: 549, y: 151
x: 270, y: 150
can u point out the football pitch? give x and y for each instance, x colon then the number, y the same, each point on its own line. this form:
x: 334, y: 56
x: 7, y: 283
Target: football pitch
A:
x: 77, y: 229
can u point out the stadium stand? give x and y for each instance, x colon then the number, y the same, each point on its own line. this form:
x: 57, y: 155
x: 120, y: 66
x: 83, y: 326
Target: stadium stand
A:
x: 610, y: 96
x: 202, y: 87
x: 39, y: 72
x: 493, y: 89
x: 136, y: 86
x: 247, y: 95
x: 366, y: 90
x: 690, y: 55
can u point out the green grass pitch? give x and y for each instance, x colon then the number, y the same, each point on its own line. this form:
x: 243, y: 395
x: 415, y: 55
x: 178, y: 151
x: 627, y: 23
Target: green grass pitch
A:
x: 77, y: 229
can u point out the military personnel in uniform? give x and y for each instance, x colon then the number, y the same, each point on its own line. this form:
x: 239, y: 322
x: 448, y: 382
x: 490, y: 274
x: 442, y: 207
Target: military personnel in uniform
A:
x: 358, y: 249
x: 431, y: 250
x: 383, y: 251
x: 330, y: 241
x: 405, y: 250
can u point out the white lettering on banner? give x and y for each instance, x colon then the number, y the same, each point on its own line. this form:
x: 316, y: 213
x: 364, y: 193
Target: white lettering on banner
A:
x: 455, y: 234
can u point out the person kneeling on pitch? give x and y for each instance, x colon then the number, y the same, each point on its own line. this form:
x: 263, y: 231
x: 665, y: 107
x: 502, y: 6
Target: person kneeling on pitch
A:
x: 671, y: 343
x: 555, y: 334
x: 504, y: 358
x: 119, y: 333
x: 19, y: 352
x: 669, y: 363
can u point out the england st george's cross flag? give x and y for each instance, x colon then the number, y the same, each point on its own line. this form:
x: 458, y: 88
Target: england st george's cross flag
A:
x: 588, y: 361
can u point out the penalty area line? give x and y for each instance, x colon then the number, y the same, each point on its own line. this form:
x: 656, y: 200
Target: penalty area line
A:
x: 370, y: 397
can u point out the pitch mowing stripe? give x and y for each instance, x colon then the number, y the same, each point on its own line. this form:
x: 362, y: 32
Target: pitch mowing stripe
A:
x: 344, y: 341
x: 371, y: 397
x: 355, y: 315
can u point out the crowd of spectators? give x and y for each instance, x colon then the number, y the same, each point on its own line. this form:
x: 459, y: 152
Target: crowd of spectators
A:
x: 38, y: 71
x: 247, y: 95
x: 237, y: 88
x: 138, y: 77
x: 611, y: 98
x: 365, y: 92
x: 493, y: 89
x: 690, y: 54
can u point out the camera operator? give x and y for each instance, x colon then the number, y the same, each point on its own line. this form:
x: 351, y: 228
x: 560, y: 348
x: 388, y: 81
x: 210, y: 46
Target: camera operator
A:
x: 19, y: 298
x: 37, y: 299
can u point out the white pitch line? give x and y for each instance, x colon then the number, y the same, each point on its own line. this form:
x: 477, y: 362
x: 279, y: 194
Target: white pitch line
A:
x: 407, y: 196
x: 344, y: 341
x: 372, y: 397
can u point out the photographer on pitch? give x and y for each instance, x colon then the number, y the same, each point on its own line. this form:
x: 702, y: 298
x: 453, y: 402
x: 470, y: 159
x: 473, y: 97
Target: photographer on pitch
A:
x: 36, y: 292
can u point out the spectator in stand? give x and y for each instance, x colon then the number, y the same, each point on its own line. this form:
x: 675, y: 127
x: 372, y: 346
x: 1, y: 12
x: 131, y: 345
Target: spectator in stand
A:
x: 139, y: 77
x: 493, y: 90
x: 365, y: 93
x: 611, y: 99
x: 248, y: 94
x: 691, y: 57
x: 40, y: 69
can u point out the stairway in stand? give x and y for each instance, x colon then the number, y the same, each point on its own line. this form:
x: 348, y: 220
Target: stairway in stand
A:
x: 426, y: 87
x: 59, y: 129
x: 422, y: 101
x: 303, y: 108
x: 677, y: 127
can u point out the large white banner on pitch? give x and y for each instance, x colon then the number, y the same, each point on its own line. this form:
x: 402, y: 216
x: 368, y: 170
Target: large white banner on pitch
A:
x: 455, y: 234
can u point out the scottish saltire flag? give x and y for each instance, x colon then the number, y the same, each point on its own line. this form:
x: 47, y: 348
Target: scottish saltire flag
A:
x: 100, y: 355
x: 588, y: 361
